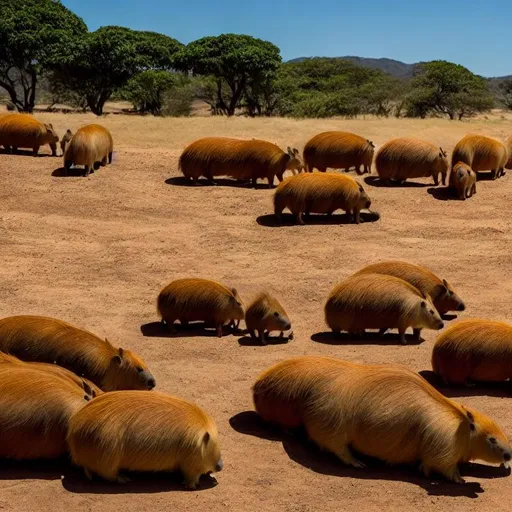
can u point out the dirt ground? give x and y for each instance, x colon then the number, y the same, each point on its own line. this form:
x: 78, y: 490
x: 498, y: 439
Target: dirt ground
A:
x: 96, y: 251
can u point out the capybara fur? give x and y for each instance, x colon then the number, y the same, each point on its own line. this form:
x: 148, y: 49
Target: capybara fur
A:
x: 240, y: 159
x: 438, y: 290
x: 339, y: 150
x: 23, y: 131
x: 474, y: 350
x: 265, y: 315
x: 91, y: 146
x: 463, y: 180
x: 48, y: 340
x: 196, y: 300
x: 320, y: 193
x: 35, y: 409
x: 404, y: 158
x: 508, y: 145
x: 377, y: 301
x: 481, y: 153
x: 143, y: 431
x: 383, y: 411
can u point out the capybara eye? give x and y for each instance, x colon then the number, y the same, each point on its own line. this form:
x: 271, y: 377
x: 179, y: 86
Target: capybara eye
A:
x: 139, y: 369
x: 432, y: 312
x: 276, y: 314
x: 492, y: 440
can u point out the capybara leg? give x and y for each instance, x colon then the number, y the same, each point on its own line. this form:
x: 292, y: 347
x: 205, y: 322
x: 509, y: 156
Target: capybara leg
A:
x: 336, y: 333
x: 357, y: 217
x: 253, y: 335
x: 191, y: 478
x: 87, y: 171
x: 88, y: 474
x: 345, y: 455
x: 443, y: 175
x: 451, y: 473
x: 494, y: 173
x: 110, y: 157
x: 96, y: 165
x: 473, y: 190
x: 300, y: 220
x: 401, y: 333
x: 254, y: 182
x: 104, y: 161
x: 123, y: 479
x: 436, y: 179
x: 270, y: 181
x: 262, y: 336
x: 359, y: 171
x: 383, y: 331
x: 417, y: 334
x: 219, y: 330
x: 367, y: 169
x: 36, y: 150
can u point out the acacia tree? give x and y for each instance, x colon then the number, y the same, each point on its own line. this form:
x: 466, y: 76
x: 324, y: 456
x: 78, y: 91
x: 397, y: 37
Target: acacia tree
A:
x: 32, y: 32
x: 234, y: 61
x: 103, y: 61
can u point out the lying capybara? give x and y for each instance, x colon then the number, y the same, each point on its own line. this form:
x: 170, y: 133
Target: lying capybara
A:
x: 474, y: 350
x: 508, y: 145
x: 481, y: 153
x: 23, y: 131
x: 35, y: 409
x: 439, y: 291
x: 143, y: 431
x: 383, y: 411
x: 48, y: 340
x: 463, y: 180
x: 195, y: 300
x: 338, y: 150
x: 240, y: 159
x: 264, y: 315
x: 377, y: 301
x: 320, y: 193
x: 91, y: 146
x: 405, y: 158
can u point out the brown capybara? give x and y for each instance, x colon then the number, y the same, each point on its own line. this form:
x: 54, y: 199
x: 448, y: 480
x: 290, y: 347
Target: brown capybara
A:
x: 481, y: 153
x: 35, y: 409
x: 143, y: 431
x: 474, y: 350
x: 405, y: 158
x: 23, y: 131
x: 91, y: 146
x: 508, y: 145
x: 377, y: 301
x: 240, y: 159
x: 264, y: 315
x: 196, y: 300
x: 320, y: 193
x: 339, y: 150
x: 463, y: 180
x: 383, y: 411
x: 438, y: 290
x: 48, y: 340
x: 90, y: 389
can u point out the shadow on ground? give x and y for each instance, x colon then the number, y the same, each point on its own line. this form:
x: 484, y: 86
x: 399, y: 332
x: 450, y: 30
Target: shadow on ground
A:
x: 181, y: 181
x: 375, y: 181
x: 370, y: 338
x: 287, y: 219
x: 198, y: 329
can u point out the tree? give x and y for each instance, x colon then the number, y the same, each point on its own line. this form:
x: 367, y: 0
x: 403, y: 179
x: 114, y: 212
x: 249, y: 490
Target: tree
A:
x: 233, y: 60
x: 448, y: 89
x: 32, y: 32
x: 103, y: 61
x: 506, y: 93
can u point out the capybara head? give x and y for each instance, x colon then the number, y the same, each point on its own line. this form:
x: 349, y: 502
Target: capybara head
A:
x: 445, y: 299
x: 51, y: 137
x: 212, y: 459
x: 429, y: 316
x: 277, y: 320
x: 443, y: 157
x: 295, y: 163
x: 128, y: 371
x: 65, y: 140
x: 238, y: 312
x: 364, y: 200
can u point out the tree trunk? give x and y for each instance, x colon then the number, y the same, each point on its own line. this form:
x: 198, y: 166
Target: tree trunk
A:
x: 237, y: 93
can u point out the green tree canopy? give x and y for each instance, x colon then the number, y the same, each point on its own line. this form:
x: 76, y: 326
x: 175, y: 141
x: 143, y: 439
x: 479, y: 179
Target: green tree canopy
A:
x: 233, y: 60
x: 505, y: 88
x: 32, y: 33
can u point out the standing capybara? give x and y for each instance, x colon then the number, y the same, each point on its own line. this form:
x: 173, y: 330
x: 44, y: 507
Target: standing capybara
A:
x: 384, y: 411
x: 48, y: 340
x: 377, y: 301
x: 338, y: 150
x: 463, y: 180
x: 264, y: 315
x: 320, y: 193
x: 23, y: 131
x: 474, y: 350
x: 196, y: 300
x: 508, y: 145
x: 439, y: 291
x: 405, y: 158
x: 91, y: 146
x: 142, y: 431
x: 481, y: 153
x: 35, y: 409
x: 240, y: 159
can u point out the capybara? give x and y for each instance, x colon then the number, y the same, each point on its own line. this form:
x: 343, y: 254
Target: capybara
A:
x: 143, y: 431
x: 377, y: 301
x: 320, y: 193
x: 463, y: 180
x: 48, y: 340
x: 23, y: 131
x: 264, y: 315
x: 240, y: 159
x: 474, y: 350
x: 384, y: 411
x: 35, y: 409
x: 481, y: 153
x: 90, y: 146
x: 438, y: 290
x: 339, y: 150
x: 401, y: 159
x: 195, y: 300
x: 508, y: 145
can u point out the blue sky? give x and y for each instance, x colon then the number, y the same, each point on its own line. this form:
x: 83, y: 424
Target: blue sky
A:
x: 474, y: 33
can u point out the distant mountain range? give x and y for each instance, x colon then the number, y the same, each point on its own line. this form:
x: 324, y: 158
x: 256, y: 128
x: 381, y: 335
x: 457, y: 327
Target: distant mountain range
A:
x: 393, y: 67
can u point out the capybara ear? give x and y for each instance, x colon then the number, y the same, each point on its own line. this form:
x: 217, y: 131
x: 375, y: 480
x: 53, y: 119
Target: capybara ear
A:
x: 295, y: 151
x: 121, y: 352
x: 87, y: 388
x: 48, y: 127
x: 471, y: 419
x: 234, y: 292
x: 445, y: 282
x: 206, y: 438
x: 423, y: 304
